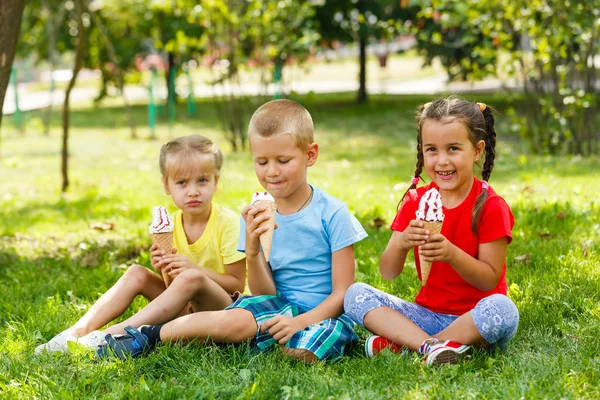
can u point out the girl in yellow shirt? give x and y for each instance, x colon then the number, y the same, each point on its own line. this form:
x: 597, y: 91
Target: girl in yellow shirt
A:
x: 207, y: 270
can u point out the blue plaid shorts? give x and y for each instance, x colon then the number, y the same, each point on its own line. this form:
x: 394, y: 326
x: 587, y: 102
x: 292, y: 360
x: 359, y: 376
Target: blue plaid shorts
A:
x: 326, y: 340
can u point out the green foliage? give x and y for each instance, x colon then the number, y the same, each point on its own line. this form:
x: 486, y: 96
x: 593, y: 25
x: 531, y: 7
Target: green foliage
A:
x: 54, y: 266
x: 262, y: 33
x: 551, y: 46
x: 451, y: 31
x: 558, y: 72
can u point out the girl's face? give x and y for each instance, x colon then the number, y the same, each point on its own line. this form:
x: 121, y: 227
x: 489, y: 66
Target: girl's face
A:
x: 192, y: 188
x: 448, y: 156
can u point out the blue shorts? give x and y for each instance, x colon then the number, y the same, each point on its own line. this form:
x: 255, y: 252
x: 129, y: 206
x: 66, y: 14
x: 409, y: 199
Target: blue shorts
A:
x: 326, y: 340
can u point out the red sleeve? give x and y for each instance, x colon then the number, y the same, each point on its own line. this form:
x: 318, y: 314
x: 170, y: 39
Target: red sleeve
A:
x: 496, y: 220
x: 407, y: 212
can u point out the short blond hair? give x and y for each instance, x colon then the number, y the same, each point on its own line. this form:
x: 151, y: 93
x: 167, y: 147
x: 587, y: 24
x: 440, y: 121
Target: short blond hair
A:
x: 283, y: 116
x: 184, y: 153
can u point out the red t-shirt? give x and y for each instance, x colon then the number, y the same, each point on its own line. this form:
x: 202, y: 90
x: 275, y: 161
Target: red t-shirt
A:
x: 446, y: 292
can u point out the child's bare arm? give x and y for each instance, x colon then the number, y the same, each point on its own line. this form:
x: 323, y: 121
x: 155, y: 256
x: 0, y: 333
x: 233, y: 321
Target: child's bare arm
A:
x: 483, y: 272
x: 392, y: 260
x: 260, y: 279
x: 231, y: 281
x: 282, y: 328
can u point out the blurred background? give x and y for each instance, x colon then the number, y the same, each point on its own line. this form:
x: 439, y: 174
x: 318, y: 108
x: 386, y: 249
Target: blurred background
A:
x: 239, y: 53
x: 90, y: 90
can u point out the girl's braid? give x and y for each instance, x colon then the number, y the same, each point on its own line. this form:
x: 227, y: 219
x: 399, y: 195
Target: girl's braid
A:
x: 488, y: 165
x: 418, y: 170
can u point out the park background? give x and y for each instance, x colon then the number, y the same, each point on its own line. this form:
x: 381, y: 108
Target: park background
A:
x: 91, y: 89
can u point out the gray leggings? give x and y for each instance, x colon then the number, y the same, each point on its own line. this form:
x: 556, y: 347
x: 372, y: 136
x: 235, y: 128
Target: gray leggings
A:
x: 496, y: 317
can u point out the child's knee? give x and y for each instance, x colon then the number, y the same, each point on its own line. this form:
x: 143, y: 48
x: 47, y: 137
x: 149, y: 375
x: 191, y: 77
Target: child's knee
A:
x: 193, y: 280
x: 353, y: 300
x: 137, y: 275
x: 354, y: 292
x: 496, y: 318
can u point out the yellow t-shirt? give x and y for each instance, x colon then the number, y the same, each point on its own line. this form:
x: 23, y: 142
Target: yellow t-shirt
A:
x: 218, y: 244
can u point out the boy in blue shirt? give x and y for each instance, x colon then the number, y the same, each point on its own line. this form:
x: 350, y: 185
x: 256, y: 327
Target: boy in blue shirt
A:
x: 298, y: 295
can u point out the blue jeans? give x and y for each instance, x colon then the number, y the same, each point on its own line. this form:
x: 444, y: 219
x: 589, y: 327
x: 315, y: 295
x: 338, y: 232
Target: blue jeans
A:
x: 496, y: 317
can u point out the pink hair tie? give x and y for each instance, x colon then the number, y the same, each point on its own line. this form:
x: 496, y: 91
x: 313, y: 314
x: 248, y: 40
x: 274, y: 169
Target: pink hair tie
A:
x: 415, y: 180
x: 485, y: 185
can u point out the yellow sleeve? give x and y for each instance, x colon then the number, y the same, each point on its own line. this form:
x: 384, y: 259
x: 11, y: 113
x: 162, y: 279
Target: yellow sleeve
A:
x: 230, y: 233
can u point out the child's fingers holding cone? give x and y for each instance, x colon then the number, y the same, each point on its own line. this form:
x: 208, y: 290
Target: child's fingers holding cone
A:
x: 164, y: 241
x: 433, y: 227
x: 161, y: 230
x: 430, y: 213
x: 264, y: 202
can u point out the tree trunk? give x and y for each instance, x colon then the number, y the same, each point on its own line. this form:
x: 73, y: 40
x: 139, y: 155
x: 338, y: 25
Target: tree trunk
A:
x: 52, y: 62
x: 112, y: 55
x: 362, y: 45
x: 11, y: 13
x: 170, y: 65
x: 79, y: 52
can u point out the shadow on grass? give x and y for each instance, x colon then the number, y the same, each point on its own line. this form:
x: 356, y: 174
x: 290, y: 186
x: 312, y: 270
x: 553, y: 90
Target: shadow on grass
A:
x: 90, y: 206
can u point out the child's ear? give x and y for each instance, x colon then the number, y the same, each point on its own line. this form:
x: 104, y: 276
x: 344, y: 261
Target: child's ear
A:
x: 479, y: 149
x: 165, y: 185
x: 312, y: 154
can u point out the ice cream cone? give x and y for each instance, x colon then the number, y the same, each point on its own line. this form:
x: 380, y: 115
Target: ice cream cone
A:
x: 433, y: 227
x: 164, y: 241
x: 266, y: 239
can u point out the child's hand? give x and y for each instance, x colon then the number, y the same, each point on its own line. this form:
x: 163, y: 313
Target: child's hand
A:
x: 437, y: 248
x: 282, y: 328
x: 254, y: 217
x: 175, y: 263
x: 414, y: 235
x: 156, y: 255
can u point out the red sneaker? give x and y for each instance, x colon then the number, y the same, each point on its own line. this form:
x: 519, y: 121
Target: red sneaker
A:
x: 374, y: 345
x: 447, y: 352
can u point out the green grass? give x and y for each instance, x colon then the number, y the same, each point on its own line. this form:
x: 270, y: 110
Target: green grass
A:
x: 53, y: 266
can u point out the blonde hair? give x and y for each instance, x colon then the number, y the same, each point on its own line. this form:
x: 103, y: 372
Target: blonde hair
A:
x: 282, y: 116
x: 185, y: 152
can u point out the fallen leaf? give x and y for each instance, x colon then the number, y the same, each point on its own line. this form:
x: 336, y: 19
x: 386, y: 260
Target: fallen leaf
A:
x: 544, y: 235
x: 523, y: 258
x: 102, y: 226
x: 379, y: 222
x: 561, y: 215
x: 528, y: 189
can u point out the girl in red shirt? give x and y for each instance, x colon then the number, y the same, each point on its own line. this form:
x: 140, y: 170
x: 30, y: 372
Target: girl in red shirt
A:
x: 463, y: 303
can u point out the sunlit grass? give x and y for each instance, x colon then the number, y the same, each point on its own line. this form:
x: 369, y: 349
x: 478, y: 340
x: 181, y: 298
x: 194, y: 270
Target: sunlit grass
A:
x: 53, y: 266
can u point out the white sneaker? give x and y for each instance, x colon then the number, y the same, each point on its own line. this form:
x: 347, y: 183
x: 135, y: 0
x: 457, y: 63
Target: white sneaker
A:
x: 57, y: 343
x: 60, y: 342
x: 91, y: 340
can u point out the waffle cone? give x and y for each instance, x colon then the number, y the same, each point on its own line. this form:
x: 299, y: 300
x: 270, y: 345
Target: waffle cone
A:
x: 266, y: 239
x: 164, y: 241
x: 433, y: 227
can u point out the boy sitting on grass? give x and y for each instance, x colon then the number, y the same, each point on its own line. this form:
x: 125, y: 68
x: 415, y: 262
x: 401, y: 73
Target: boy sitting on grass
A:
x: 298, y: 295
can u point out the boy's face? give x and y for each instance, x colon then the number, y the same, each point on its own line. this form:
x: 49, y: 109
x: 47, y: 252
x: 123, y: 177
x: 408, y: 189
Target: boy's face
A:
x: 280, y: 165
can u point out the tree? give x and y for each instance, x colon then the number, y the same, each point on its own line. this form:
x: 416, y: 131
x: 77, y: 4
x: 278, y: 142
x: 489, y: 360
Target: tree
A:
x: 362, y: 22
x: 450, y: 32
x: 80, y: 33
x: 264, y: 33
x: 11, y: 13
x: 552, y: 48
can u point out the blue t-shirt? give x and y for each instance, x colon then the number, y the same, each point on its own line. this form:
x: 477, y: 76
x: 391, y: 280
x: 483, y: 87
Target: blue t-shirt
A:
x: 302, y: 247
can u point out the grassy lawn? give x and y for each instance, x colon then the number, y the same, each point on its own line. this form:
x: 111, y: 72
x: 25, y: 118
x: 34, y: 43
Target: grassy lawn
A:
x: 53, y: 265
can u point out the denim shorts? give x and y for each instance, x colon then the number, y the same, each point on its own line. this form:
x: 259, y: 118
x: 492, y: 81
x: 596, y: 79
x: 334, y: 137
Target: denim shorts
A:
x: 496, y: 317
